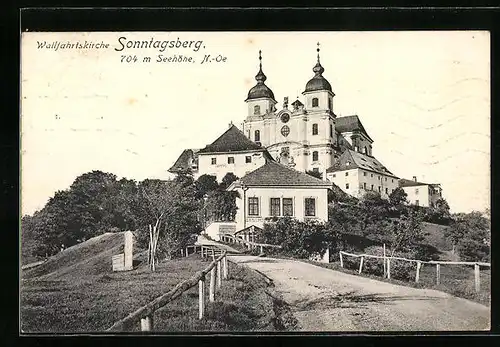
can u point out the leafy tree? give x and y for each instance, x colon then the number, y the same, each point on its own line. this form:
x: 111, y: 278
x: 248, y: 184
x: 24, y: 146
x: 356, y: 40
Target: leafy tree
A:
x: 398, y: 197
x: 205, y: 184
x: 439, y: 213
x: 406, y: 233
x: 221, y: 205
x: 470, y: 235
x: 316, y: 174
x: 168, y: 214
x: 227, y: 180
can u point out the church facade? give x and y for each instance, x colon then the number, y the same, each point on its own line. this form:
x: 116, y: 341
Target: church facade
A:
x: 305, y: 135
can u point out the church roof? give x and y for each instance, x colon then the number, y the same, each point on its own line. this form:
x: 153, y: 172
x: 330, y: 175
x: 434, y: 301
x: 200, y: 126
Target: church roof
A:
x: 184, y: 161
x: 403, y: 182
x: 260, y: 90
x: 275, y: 174
x: 350, y: 124
x: 232, y: 140
x: 354, y: 160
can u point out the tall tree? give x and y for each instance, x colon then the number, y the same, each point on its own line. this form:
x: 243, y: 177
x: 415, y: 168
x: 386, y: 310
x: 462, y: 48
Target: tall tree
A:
x: 227, y: 180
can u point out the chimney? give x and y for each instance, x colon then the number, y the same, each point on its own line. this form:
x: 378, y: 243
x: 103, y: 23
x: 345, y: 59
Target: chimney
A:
x: 415, y: 178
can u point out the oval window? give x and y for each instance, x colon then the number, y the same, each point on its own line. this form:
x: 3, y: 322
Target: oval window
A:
x: 285, y: 130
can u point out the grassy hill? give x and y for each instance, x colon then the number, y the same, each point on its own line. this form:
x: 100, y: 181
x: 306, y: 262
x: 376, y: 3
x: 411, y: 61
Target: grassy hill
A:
x: 436, y: 236
x: 76, y: 291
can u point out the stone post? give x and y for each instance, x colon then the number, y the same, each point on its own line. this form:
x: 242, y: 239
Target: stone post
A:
x: 129, y: 251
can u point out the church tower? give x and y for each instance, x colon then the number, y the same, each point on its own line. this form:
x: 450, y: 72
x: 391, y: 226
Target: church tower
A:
x: 302, y: 136
x: 321, y: 135
x: 261, y: 104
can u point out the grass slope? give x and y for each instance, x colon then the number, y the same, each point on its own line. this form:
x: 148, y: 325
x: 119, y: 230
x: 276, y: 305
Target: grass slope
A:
x: 76, y: 291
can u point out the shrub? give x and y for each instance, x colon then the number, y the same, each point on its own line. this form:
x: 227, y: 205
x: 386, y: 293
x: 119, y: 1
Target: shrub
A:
x: 298, y: 239
x: 473, y: 250
x: 402, y: 269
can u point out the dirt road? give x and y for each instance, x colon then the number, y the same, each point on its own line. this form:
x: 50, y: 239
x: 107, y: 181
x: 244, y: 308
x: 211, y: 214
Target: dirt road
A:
x: 327, y: 300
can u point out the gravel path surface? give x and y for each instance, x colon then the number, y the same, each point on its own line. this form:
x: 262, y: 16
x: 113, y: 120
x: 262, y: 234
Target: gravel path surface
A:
x: 328, y: 300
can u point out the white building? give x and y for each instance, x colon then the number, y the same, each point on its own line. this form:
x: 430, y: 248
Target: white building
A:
x: 306, y: 137
x: 357, y: 173
x: 421, y: 194
x: 231, y: 152
x: 274, y: 190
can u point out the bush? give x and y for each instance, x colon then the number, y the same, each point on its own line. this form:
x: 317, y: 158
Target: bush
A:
x: 402, y: 269
x: 473, y: 250
x: 298, y: 239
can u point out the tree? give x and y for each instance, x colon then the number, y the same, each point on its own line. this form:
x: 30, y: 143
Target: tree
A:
x: 406, y: 232
x: 470, y: 235
x: 438, y: 213
x: 205, y: 184
x: 227, y: 180
x: 169, y: 211
x: 398, y: 197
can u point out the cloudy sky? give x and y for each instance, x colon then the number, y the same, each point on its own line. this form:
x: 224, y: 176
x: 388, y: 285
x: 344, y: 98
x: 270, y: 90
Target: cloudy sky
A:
x: 423, y: 97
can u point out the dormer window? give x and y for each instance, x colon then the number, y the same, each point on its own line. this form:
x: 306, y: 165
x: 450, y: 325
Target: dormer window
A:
x: 256, y: 109
x: 257, y: 135
x: 315, y: 102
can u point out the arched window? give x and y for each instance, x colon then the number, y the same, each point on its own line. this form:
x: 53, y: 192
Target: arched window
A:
x: 256, y: 109
x: 366, y: 150
x: 315, y: 102
x: 315, y: 156
x: 257, y: 135
x: 315, y: 129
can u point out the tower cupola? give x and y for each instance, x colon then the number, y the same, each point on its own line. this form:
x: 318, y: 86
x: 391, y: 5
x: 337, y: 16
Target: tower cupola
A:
x: 260, y: 90
x: 318, y: 82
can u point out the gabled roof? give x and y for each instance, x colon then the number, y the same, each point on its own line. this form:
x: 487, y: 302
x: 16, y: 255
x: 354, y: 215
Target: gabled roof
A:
x: 233, y: 140
x: 184, y: 161
x: 354, y: 160
x: 279, y: 175
x: 350, y: 124
x: 403, y: 182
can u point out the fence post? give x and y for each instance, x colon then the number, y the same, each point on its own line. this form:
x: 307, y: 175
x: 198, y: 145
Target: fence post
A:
x: 187, y: 251
x: 477, y: 278
x: 361, y: 264
x: 147, y: 323
x: 261, y: 249
x: 213, y: 254
x: 182, y: 252
x: 388, y: 268
x: 212, y: 285
x: 341, y: 260
x: 226, y: 270
x: 417, y: 275
x: 219, y: 280
x: 385, y: 267
x: 438, y: 273
x: 201, y: 297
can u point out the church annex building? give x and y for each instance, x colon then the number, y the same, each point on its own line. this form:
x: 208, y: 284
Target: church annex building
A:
x: 274, y: 148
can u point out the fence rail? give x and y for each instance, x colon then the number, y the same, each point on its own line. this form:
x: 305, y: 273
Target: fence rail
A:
x: 251, y: 245
x: 217, y: 268
x: 388, y: 259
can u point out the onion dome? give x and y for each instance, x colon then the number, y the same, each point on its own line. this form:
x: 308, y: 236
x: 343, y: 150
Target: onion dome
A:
x: 318, y: 82
x: 260, y: 90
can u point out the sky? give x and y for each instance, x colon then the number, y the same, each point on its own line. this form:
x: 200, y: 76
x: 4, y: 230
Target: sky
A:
x: 422, y: 96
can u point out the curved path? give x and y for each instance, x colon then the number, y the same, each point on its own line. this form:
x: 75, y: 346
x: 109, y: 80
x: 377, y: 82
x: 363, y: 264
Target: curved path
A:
x: 328, y: 300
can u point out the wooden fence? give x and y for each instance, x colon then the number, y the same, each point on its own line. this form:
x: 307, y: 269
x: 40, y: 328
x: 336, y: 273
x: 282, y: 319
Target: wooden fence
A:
x: 251, y: 245
x: 419, y: 263
x: 218, y: 270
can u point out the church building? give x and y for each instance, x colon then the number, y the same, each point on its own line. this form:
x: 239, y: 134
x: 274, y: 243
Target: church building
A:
x: 306, y: 135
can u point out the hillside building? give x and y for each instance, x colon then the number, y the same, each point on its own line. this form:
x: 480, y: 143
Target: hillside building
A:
x: 419, y: 193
